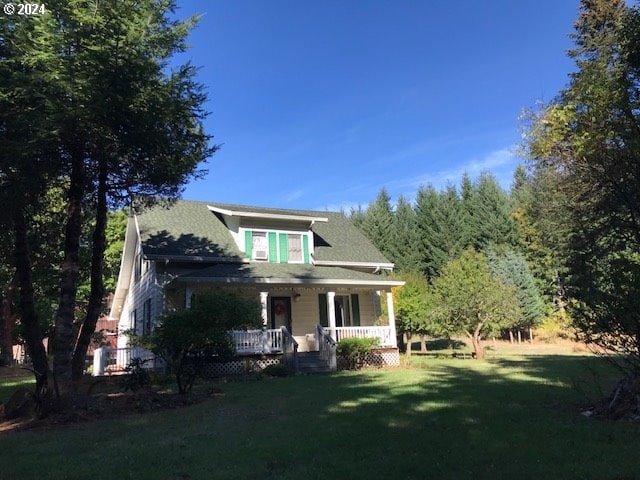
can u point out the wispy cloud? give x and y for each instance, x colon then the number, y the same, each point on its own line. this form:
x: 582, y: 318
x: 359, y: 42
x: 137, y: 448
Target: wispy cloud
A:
x: 494, y: 162
x: 294, y: 195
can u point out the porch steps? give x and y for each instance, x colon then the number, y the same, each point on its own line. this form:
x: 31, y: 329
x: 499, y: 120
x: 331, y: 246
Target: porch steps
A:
x: 311, y: 362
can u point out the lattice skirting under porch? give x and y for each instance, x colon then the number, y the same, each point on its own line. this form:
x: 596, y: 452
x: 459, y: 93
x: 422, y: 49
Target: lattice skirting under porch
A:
x: 380, y: 357
x: 239, y: 366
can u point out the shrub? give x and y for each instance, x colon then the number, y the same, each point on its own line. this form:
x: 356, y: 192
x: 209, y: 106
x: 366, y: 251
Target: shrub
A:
x: 136, y: 376
x: 354, y: 350
x: 187, y: 339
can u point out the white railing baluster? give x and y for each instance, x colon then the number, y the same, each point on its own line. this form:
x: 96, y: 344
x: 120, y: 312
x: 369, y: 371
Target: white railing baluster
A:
x: 257, y: 341
x: 382, y: 333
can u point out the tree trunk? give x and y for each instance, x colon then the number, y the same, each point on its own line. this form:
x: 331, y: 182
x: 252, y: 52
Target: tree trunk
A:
x: 510, y: 336
x: 29, y: 316
x: 97, y: 281
x: 519, y: 337
x: 409, y: 340
x: 476, y: 341
x: 423, y: 344
x: 7, y: 322
x: 531, y: 335
x: 64, y: 333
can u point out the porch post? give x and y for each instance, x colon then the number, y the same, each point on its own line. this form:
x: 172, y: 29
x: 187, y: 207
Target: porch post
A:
x: 392, y: 319
x: 377, y: 309
x: 263, y: 305
x: 188, y: 293
x: 331, y: 310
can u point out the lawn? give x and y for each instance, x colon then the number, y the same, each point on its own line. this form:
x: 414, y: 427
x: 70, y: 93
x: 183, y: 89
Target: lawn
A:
x: 511, y: 417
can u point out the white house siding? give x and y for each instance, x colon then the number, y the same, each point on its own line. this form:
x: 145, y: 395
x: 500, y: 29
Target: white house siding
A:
x: 141, y: 290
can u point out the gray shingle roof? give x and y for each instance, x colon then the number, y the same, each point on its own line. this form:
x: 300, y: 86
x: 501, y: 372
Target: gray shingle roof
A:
x: 190, y: 228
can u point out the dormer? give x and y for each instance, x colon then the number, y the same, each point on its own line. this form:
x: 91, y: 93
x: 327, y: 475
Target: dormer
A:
x: 274, y: 237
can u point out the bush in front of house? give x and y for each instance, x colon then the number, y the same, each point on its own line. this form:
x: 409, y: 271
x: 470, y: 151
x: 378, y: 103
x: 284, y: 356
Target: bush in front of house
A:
x: 186, y: 337
x: 354, y: 350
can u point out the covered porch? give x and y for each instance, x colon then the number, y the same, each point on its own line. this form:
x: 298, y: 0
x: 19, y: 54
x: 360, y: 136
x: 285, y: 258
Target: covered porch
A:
x: 303, y: 299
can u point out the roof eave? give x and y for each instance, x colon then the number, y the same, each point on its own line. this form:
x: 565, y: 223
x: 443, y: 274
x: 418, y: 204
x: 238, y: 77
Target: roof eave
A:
x: 273, y: 216
x: 292, y: 281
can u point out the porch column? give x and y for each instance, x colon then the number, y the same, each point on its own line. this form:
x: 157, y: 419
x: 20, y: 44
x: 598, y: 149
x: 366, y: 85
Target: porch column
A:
x: 392, y: 319
x: 263, y: 305
x: 331, y: 310
x: 377, y: 309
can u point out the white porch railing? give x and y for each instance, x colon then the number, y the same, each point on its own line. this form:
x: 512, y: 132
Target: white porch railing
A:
x: 384, y: 334
x: 257, y: 341
x: 108, y: 360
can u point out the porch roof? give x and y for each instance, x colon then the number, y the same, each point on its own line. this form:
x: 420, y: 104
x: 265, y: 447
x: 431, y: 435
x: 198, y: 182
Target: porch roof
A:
x: 285, y: 274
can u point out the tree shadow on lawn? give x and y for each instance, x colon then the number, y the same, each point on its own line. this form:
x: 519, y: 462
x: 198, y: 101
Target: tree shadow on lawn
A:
x: 502, y: 419
x: 446, y: 420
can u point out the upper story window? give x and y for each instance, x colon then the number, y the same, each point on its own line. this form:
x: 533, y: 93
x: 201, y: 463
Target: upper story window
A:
x: 277, y: 246
x: 260, y: 247
x: 294, y: 247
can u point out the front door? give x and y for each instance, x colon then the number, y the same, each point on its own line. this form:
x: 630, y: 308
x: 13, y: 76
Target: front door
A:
x: 281, y: 312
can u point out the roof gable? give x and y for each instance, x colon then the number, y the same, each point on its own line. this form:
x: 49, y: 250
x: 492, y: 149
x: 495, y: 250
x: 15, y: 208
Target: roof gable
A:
x: 194, y: 229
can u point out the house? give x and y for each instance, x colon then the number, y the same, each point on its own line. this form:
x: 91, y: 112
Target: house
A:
x: 317, y: 278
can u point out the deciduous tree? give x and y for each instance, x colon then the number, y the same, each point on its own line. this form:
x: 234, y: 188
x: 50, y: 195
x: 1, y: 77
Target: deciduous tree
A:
x: 471, y: 301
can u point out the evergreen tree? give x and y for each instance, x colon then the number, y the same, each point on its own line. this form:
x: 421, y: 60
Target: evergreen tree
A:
x: 512, y: 270
x: 431, y: 257
x: 406, y: 237
x: 117, y: 124
x: 377, y: 224
x: 488, y: 211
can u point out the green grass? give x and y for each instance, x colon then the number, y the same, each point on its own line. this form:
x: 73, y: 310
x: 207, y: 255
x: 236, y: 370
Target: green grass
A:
x: 8, y: 386
x: 507, y: 418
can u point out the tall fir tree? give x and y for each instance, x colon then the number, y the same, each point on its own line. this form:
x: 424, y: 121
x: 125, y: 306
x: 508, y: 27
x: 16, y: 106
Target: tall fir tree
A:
x: 377, y: 224
x: 406, y: 237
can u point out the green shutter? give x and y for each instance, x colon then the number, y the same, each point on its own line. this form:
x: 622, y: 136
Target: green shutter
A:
x: 284, y: 248
x: 248, y: 243
x: 322, y: 303
x: 355, y: 310
x: 273, y: 248
x: 305, y: 248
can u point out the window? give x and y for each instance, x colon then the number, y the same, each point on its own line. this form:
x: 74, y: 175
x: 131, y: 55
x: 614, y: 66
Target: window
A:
x: 294, y: 247
x: 146, y: 317
x: 260, y: 247
x: 133, y: 319
x: 138, y: 267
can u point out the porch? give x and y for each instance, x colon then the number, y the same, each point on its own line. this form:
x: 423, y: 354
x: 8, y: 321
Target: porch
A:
x: 277, y: 343
x: 271, y: 340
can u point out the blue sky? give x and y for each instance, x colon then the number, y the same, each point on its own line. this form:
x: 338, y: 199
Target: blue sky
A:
x: 320, y: 104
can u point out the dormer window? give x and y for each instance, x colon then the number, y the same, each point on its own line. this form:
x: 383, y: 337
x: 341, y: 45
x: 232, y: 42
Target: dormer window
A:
x: 294, y: 242
x: 276, y: 246
x: 260, y: 247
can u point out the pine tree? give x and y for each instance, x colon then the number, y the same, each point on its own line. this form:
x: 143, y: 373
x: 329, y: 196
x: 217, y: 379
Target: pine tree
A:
x: 431, y: 255
x: 406, y: 237
x: 377, y: 224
